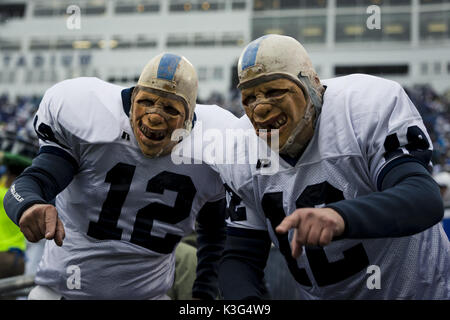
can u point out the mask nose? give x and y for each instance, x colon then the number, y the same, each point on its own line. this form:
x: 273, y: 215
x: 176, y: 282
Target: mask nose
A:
x: 154, y: 118
x: 262, y: 110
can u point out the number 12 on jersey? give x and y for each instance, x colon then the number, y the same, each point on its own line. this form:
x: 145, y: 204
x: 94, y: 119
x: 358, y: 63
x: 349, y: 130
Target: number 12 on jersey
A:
x: 120, y: 178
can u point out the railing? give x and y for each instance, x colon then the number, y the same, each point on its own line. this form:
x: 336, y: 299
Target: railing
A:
x: 14, y: 287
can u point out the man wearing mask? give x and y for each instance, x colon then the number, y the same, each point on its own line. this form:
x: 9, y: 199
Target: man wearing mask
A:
x: 122, y: 205
x: 352, y: 207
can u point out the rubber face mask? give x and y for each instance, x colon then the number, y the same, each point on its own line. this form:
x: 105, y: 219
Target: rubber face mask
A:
x: 273, y: 57
x: 277, y: 104
x: 154, y: 117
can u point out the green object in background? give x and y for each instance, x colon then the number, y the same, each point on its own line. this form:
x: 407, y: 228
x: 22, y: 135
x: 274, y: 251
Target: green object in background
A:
x: 10, y: 234
x: 185, y: 272
x: 10, y: 159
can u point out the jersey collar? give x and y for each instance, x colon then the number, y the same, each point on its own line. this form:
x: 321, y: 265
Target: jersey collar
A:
x: 126, y: 100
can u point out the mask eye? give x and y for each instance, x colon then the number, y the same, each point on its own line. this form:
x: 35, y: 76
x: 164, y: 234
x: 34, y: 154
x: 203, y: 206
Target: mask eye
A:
x: 171, y: 110
x: 248, y: 100
x: 146, y: 102
x: 276, y: 93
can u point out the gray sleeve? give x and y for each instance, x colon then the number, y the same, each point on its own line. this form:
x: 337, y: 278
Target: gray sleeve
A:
x: 409, y: 202
x: 50, y: 173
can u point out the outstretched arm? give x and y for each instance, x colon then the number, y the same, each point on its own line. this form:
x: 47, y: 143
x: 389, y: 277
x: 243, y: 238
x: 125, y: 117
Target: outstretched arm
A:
x: 409, y: 202
x: 27, y: 201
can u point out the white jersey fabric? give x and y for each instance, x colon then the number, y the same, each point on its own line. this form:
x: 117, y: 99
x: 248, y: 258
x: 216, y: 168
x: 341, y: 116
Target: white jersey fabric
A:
x: 123, y: 213
x: 365, y: 124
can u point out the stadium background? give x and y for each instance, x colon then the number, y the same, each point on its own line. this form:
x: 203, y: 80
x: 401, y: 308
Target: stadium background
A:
x: 45, y: 41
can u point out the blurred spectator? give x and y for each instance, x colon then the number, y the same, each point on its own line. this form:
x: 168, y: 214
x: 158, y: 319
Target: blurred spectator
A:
x: 18, y: 145
x: 18, y: 116
x: 443, y: 180
x: 12, y: 241
x: 231, y: 103
x: 216, y: 98
x: 234, y: 103
x: 185, y: 270
x: 434, y: 109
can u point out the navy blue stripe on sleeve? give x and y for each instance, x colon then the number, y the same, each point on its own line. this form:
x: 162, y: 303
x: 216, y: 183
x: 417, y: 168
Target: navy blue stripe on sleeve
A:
x: 395, y: 163
x: 61, y: 153
x: 47, y: 176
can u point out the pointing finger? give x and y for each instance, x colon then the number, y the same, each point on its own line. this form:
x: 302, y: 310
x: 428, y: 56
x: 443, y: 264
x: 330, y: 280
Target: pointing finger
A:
x: 296, y: 245
x: 288, y: 223
x: 59, y: 233
x: 51, y: 218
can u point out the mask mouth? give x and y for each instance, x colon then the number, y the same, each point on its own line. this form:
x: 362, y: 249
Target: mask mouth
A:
x: 274, y: 123
x: 152, y: 134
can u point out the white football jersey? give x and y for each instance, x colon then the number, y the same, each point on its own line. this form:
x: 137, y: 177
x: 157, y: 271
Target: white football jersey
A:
x: 123, y: 213
x: 365, y: 123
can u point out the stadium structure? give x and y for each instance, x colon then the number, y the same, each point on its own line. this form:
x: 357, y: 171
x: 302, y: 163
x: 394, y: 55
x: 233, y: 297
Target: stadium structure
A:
x: 46, y: 41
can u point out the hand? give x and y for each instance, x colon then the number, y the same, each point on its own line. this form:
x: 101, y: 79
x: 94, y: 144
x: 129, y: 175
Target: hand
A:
x: 313, y: 226
x: 41, y: 220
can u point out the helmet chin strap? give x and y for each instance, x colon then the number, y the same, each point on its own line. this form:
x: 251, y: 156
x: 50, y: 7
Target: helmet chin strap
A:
x: 292, y: 147
x: 188, y: 125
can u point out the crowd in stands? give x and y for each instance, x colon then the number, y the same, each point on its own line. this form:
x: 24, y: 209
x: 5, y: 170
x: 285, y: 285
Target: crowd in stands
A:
x: 17, y: 133
x: 435, y: 111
